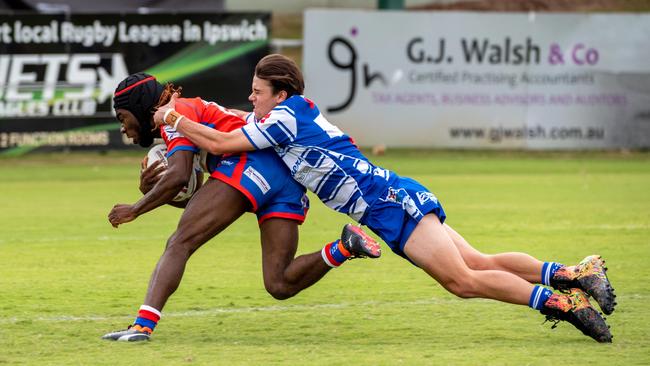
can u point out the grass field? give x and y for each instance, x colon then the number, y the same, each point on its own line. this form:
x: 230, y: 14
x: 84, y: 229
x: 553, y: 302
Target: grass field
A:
x: 67, y: 277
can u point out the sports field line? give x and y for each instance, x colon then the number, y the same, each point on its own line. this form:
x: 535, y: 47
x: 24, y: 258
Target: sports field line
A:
x: 163, y: 238
x: 216, y: 311
x: 273, y: 308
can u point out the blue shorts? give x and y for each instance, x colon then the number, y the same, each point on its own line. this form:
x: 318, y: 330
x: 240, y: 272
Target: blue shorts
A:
x: 265, y: 181
x: 399, y: 209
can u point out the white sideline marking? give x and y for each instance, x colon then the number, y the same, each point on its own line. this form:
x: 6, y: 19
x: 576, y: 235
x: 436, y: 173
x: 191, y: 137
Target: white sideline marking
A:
x: 214, y: 311
x: 278, y: 308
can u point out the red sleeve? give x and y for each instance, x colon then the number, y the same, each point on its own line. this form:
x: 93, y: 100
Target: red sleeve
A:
x: 190, y: 108
x: 198, y: 110
x: 220, y: 118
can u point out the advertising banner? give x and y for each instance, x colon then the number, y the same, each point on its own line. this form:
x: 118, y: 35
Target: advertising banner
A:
x: 482, y: 80
x: 58, y: 73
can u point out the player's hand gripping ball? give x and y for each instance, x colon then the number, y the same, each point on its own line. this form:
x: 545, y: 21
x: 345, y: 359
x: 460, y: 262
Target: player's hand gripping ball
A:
x: 159, y: 153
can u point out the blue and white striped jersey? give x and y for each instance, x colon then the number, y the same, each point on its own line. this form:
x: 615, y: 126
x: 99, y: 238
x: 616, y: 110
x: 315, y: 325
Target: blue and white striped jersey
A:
x: 320, y: 156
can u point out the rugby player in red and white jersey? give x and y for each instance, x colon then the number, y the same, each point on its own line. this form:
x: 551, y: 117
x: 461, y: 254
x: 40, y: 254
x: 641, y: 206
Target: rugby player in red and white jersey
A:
x: 258, y: 182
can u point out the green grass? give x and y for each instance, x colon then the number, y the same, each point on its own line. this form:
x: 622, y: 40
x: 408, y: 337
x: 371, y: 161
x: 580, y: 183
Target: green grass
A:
x: 67, y: 277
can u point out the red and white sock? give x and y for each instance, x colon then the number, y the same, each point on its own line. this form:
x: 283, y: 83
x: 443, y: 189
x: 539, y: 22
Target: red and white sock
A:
x: 334, y: 254
x: 148, y: 317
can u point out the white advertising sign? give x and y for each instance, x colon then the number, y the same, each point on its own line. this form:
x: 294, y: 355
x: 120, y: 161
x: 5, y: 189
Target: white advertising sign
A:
x: 481, y: 80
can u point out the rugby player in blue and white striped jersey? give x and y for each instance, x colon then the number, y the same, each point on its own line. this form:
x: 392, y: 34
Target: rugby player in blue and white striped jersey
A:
x: 408, y: 217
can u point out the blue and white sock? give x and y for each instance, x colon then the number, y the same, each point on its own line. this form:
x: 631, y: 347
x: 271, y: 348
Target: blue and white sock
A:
x: 548, y: 270
x: 538, y: 297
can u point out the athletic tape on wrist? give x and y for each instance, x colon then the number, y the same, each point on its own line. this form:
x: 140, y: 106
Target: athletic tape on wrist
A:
x: 167, y: 112
x: 174, y: 119
x: 178, y: 120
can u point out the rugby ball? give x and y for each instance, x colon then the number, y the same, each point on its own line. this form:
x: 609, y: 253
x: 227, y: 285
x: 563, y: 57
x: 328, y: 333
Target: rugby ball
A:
x: 159, y: 153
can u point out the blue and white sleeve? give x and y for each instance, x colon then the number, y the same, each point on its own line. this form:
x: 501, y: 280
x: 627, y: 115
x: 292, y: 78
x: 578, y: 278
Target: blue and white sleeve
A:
x: 278, y: 129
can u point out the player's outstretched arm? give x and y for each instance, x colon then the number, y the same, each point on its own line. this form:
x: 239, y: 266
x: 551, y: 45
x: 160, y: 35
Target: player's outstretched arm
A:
x: 241, y: 114
x: 215, y: 142
x: 176, y: 177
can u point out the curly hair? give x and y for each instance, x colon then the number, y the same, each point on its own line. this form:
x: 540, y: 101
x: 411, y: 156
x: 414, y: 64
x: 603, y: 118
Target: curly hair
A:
x: 167, y: 94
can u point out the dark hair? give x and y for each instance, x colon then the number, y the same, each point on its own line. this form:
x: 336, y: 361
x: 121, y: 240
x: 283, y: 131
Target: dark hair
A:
x: 283, y: 74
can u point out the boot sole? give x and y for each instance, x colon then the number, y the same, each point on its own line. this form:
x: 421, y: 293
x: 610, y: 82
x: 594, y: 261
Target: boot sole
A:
x: 371, y: 249
x: 595, y: 325
x: 600, y: 289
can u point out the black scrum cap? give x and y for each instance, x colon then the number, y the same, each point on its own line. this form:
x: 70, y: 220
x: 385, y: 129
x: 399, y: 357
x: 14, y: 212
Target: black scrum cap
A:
x: 139, y: 93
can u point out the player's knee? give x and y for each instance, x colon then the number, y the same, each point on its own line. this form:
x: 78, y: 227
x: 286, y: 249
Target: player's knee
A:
x: 279, y: 290
x: 180, y: 245
x: 462, y: 287
x: 478, y: 262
